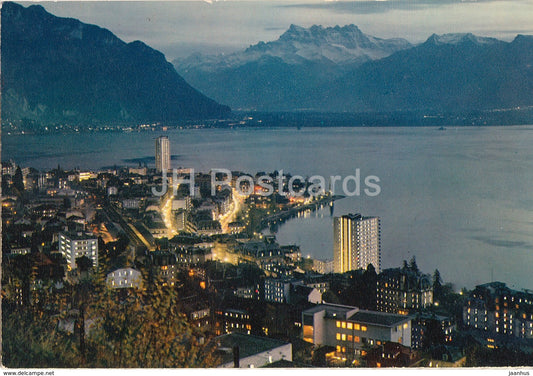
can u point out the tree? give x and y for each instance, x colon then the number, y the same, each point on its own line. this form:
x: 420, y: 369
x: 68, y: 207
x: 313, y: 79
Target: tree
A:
x: 84, y: 263
x: 33, y: 340
x: 18, y: 181
x: 412, y: 265
x: 5, y: 185
x: 101, y: 244
x: 143, y: 330
x: 140, y: 328
x: 437, y: 284
x: 129, y: 328
x: 330, y: 297
x: 368, y: 288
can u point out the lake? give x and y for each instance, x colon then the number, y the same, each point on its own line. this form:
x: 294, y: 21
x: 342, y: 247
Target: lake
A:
x: 460, y: 200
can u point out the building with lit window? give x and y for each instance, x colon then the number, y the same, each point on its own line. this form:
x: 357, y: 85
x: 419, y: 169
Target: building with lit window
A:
x: 289, y: 290
x: 198, y: 313
x: 124, y: 278
x: 230, y: 320
x: 164, y: 267
x: 350, y: 329
x: 401, y: 290
x: 75, y: 245
x: 497, y: 309
x: 191, y: 256
x: 356, y: 243
x: 277, y: 290
x: 162, y: 154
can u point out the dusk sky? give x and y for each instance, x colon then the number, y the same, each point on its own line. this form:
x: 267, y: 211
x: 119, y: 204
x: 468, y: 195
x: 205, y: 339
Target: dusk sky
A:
x: 179, y: 28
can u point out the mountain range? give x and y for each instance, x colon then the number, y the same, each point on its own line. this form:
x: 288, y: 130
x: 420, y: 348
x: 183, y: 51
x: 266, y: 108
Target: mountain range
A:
x: 450, y: 73
x: 341, y: 69
x: 60, y: 70
x: 57, y: 70
x: 279, y: 75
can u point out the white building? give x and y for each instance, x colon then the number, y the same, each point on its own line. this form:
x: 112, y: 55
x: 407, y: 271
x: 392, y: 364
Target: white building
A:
x: 124, y: 278
x: 349, y: 329
x: 238, y: 350
x: 356, y: 243
x: 74, y: 245
x: 162, y: 154
x: 112, y: 191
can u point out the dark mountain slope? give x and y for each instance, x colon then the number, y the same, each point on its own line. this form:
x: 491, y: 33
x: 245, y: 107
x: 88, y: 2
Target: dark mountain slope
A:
x: 61, y: 70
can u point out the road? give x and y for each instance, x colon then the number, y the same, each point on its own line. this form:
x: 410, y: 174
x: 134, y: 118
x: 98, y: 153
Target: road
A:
x: 235, y: 208
x: 168, y: 218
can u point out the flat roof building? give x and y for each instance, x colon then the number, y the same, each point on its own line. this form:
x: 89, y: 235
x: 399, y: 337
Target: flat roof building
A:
x: 236, y: 350
x: 75, y: 245
x: 349, y: 329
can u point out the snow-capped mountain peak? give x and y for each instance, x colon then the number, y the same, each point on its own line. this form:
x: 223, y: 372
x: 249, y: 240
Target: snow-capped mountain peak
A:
x: 334, y: 45
x: 458, y: 38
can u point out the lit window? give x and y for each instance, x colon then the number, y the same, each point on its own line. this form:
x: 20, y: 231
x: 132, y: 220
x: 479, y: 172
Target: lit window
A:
x: 338, y: 336
x: 363, y: 328
x: 343, y: 337
x: 350, y: 325
x: 344, y: 324
x: 338, y: 324
x: 356, y: 326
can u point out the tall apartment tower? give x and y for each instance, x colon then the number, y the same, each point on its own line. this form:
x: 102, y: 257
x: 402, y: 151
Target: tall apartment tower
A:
x: 74, y: 245
x: 162, y: 154
x: 356, y: 243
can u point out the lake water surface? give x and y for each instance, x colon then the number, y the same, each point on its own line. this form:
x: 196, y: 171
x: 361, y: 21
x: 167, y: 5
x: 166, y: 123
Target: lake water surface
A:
x: 460, y: 200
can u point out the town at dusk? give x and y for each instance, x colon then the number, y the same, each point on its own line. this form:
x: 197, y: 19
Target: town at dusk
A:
x: 270, y: 184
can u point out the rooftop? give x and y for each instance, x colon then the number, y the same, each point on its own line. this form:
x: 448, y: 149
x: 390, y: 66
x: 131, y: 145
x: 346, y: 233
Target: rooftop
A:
x: 332, y: 310
x: 335, y: 311
x: 357, y: 217
x: 286, y: 364
x: 79, y: 236
x: 378, y: 318
x: 248, y: 345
